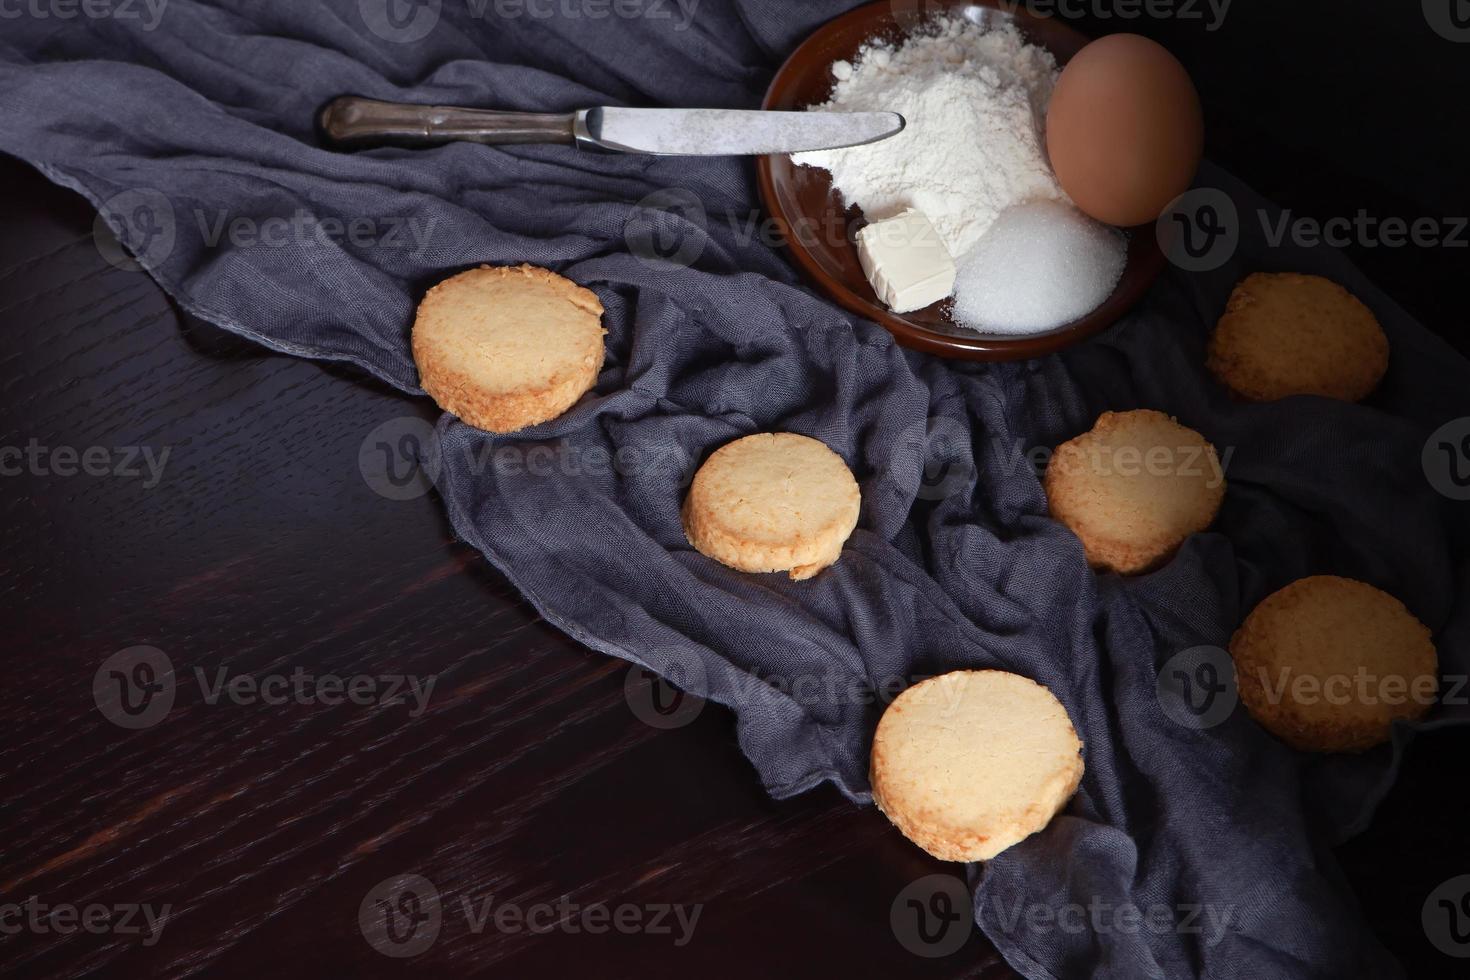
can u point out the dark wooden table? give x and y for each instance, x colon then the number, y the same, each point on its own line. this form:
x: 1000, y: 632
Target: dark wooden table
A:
x: 260, y: 550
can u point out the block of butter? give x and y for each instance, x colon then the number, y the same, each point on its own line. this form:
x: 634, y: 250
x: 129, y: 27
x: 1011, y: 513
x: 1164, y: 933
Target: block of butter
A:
x: 906, y: 261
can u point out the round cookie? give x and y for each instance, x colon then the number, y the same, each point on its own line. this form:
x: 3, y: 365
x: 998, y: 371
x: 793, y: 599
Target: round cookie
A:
x: 1133, y: 488
x: 506, y: 347
x: 1287, y: 334
x: 772, y: 502
x: 968, y: 763
x: 1327, y: 664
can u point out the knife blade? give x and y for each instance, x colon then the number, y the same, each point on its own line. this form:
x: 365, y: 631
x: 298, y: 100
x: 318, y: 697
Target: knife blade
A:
x: 732, y: 132
x: 354, y: 122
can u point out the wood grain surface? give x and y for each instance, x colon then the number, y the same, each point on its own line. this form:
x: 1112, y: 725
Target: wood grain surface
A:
x: 261, y: 551
x: 528, y: 780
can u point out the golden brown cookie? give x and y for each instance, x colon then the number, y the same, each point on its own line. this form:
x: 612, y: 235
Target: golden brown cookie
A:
x: 772, y: 502
x: 1133, y: 488
x: 506, y: 347
x: 968, y: 763
x: 1288, y: 334
x: 1327, y: 664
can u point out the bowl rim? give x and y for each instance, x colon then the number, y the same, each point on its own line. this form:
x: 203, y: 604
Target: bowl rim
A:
x: 1144, y: 262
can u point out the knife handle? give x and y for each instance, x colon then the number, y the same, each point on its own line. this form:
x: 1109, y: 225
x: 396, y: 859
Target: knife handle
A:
x: 352, y: 122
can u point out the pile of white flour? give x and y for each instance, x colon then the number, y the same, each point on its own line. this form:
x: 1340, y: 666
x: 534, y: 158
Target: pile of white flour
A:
x: 975, y: 99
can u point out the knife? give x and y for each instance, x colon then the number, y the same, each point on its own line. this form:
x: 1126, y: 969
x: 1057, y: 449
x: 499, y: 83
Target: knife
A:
x: 353, y: 122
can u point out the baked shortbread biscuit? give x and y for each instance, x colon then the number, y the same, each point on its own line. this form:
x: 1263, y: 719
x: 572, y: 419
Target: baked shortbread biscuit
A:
x: 1327, y: 664
x: 772, y: 502
x: 504, y: 347
x: 968, y: 763
x: 1287, y: 334
x: 1133, y: 488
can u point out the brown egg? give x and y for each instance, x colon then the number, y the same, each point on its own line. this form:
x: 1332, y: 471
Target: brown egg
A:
x: 1124, y: 129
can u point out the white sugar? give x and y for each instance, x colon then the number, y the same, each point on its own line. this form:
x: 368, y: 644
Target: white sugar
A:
x: 1040, y: 265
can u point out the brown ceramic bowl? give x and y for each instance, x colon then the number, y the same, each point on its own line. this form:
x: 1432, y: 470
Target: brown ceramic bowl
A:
x: 819, y: 230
